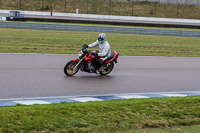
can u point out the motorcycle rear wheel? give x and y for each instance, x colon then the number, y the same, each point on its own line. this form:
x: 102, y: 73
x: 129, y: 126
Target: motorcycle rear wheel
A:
x: 68, y: 69
x: 108, y: 69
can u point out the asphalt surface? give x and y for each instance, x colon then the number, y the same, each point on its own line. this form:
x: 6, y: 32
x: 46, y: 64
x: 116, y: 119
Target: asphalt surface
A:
x: 41, y: 75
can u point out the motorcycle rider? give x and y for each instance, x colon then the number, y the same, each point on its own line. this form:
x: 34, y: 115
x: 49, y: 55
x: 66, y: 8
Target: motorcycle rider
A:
x: 104, y: 47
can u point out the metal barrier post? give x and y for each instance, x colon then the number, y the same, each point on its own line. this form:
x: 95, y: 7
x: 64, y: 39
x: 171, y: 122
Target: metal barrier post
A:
x: 132, y: 6
x: 87, y: 6
x: 65, y: 5
x: 0, y: 3
x: 155, y: 9
x: 20, y: 4
x: 178, y: 7
x: 42, y: 4
x: 110, y: 7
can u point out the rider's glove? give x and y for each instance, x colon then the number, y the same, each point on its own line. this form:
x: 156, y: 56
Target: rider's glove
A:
x: 85, y: 46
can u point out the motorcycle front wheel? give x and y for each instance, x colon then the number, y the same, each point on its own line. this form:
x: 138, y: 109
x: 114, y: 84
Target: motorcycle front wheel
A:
x: 68, y: 69
x: 107, y: 68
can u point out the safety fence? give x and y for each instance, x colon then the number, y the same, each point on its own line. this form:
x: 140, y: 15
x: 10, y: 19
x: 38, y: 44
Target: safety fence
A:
x: 128, y: 30
x: 144, y: 8
x: 189, y: 2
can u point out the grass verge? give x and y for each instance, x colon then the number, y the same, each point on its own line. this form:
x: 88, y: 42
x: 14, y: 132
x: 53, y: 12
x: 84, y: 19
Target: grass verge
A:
x: 67, y: 42
x: 107, y: 116
x: 105, y: 25
x: 179, y: 129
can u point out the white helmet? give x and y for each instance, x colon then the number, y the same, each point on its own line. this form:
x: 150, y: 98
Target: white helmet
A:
x: 101, y: 37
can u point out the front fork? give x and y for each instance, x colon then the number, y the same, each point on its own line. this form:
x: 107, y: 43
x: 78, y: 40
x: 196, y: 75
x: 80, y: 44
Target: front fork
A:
x: 78, y: 62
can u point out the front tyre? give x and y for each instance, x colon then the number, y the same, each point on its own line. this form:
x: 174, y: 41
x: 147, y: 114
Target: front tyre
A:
x: 107, y: 68
x: 69, y: 68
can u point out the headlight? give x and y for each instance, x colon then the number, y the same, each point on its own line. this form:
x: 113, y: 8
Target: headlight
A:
x: 80, y: 52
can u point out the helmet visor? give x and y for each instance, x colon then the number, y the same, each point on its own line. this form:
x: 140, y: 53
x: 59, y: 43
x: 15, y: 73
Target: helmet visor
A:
x: 100, y: 39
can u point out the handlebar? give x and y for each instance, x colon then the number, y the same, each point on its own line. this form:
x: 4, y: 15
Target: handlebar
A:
x: 85, y: 46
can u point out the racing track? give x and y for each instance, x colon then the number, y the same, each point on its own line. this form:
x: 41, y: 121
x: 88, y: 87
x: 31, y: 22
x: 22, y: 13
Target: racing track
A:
x: 41, y: 75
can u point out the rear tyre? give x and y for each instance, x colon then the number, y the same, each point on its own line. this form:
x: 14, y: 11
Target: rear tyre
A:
x: 68, y: 69
x: 107, y: 68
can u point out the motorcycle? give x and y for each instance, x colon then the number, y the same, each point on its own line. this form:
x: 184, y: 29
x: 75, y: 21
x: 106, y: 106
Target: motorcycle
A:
x: 88, y: 61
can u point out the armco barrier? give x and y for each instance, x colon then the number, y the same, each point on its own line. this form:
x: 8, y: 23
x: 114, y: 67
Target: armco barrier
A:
x: 111, y: 17
x: 65, y: 27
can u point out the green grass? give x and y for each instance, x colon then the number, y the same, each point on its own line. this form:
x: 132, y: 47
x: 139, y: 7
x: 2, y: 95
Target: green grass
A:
x: 67, y: 42
x: 162, y: 114
x: 179, y: 129
x: 155, y: 115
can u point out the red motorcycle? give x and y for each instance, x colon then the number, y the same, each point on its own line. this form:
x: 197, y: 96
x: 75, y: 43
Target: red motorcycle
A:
x: 88, y: 61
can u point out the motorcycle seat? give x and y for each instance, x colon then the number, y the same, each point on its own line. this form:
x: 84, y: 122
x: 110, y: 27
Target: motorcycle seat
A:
x: 112, y: 55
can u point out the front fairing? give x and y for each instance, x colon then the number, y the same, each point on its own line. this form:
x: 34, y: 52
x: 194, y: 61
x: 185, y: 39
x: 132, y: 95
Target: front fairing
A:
x: 75, y: 60
x: 86, y: 56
